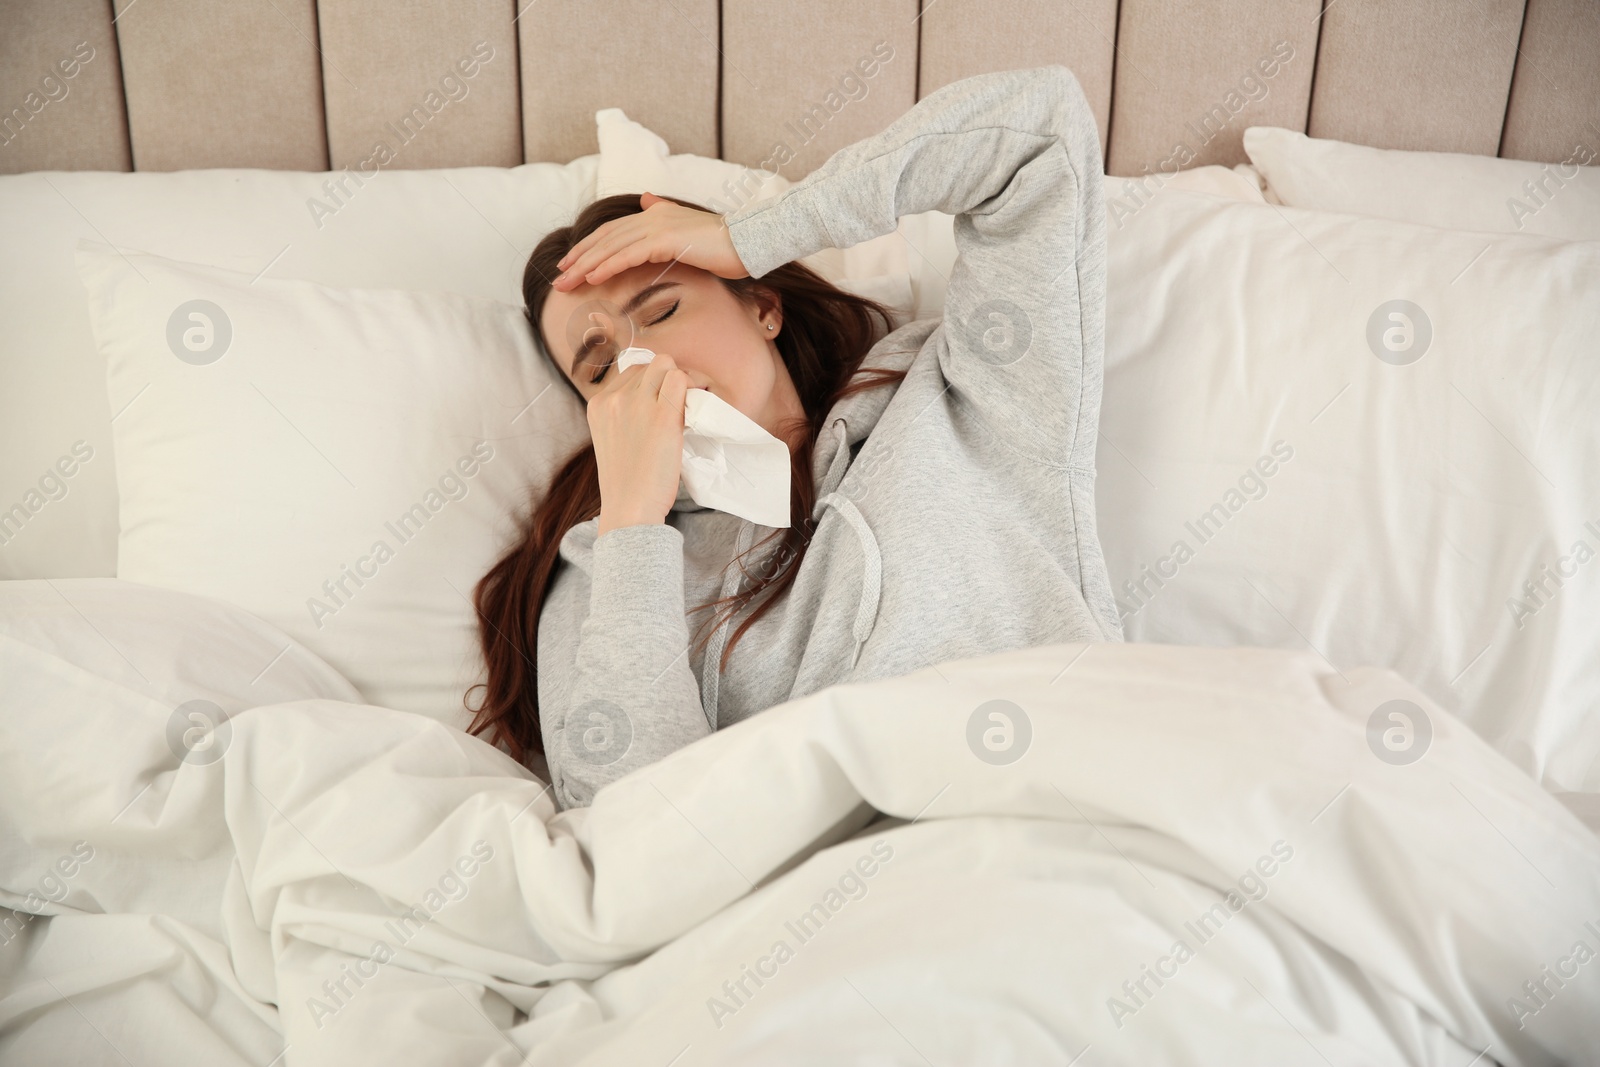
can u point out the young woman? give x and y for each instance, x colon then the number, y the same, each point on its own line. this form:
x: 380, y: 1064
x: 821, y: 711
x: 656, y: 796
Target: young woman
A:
x: 942, y: 497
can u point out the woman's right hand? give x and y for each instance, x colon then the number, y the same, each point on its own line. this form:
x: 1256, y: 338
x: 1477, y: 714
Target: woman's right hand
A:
x: 662, y: 231
x: 636, y: 421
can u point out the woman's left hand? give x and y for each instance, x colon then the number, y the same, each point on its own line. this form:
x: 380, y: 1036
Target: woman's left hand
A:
x: 664, y: 232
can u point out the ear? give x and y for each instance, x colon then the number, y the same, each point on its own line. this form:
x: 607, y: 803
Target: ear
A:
x: 769, y: 303
x: 646, y: 200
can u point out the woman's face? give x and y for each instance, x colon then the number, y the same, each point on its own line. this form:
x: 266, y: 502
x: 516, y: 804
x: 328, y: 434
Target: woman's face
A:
x: 685, y: 312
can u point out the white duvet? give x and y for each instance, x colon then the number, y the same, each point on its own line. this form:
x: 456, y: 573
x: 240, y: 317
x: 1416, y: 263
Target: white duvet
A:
x: 1198, y: 858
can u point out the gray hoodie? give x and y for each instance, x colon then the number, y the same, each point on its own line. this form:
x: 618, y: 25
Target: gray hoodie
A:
x: 963, y: 525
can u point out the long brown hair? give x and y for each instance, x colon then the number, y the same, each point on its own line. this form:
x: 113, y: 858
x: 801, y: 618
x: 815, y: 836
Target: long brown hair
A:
x: 826, y: 334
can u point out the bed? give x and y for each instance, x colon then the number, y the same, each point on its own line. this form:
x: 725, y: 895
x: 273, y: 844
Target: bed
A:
x: 1334, y: 800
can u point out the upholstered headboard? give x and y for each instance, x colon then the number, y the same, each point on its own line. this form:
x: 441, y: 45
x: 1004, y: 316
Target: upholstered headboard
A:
x: 320, y: 84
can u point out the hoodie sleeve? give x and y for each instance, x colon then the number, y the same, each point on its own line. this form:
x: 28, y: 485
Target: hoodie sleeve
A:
x: 616, y: 690
x: 1015, y: 156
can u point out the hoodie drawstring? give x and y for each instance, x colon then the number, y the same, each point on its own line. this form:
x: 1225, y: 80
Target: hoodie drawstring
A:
x: 709, y: 675
x: 872, y: 561
x: 871, y: 578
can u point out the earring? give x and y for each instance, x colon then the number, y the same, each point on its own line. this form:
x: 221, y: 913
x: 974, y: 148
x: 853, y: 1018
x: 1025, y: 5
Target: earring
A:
x: 769, y: 325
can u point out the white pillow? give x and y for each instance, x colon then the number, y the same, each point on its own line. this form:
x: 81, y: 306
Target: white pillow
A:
x: 1447, y: 189
x: 344, y: 464
x: 1377, y: 510
x: 465, y: 230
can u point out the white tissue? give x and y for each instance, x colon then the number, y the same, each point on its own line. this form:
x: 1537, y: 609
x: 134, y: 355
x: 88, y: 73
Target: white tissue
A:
x: 729, y: 462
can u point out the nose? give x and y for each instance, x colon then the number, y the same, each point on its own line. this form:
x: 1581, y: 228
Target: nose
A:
x: 697, y: 379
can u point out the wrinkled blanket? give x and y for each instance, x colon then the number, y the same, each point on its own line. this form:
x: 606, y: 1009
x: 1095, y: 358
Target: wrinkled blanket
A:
x: 1101, y: 854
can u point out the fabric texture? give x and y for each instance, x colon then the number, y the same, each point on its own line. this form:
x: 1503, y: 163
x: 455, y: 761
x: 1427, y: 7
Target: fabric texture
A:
x: 1407, y: 76
x: 1210, y: 85
x: 965, y: 525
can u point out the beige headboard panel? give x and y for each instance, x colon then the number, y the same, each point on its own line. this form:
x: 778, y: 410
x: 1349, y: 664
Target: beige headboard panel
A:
x: 319, y: 84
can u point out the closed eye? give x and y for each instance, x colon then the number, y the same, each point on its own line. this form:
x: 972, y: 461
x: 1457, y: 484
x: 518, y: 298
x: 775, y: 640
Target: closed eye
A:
x: 595, y: 342
x: 602, y: 372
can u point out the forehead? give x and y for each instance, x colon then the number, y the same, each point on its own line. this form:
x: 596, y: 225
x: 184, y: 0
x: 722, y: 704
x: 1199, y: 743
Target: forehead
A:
x: 567, y: 314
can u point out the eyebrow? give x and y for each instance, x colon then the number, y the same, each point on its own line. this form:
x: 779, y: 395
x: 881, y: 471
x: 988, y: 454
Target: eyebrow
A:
x: 633, y: 304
